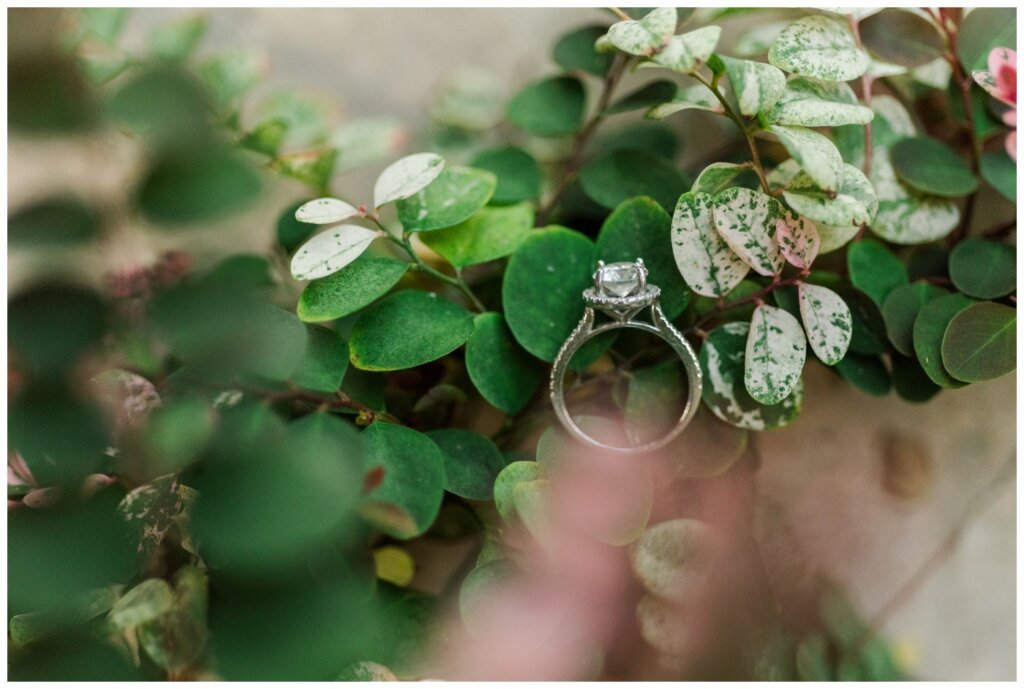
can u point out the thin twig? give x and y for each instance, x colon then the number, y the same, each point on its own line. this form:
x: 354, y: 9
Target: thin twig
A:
x: 756, y: 297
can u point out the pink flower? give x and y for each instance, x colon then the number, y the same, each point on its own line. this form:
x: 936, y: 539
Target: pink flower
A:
x: 1000, y: 80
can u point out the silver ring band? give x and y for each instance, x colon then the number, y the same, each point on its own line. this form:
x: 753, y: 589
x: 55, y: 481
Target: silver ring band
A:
x: 622, y: 311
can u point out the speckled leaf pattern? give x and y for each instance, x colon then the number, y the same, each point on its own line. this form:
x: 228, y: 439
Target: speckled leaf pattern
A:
x: 695, y: 97
x: 325, y: 211
x: 776, y: 349
x: 854, y: 203
x: 757, y: 85
x: 717, y: 177
x: 904, y: 215
x: 813, y: 103
x: 798, y: 239
x: 687, y: 52
x: 828, y: 322
x: 406, y: 176
x: 644, y: 36
x: 819, y: 47
x: 150, y: 509
x: 330, y: 251
x: 816, y: 154
x: 746, y: 219
x: 705, y: 261
x: 722, y: 362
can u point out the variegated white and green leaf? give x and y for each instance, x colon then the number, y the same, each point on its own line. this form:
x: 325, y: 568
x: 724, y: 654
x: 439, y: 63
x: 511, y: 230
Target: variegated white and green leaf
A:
x: 816, y: 154
x: 854, y: 203
x: 695, y: 97
x: 828, y: 322
x: 145, y: 602
x: 798, y: 239
x: 644, y: 36
x: 832, y: 238
x: 783, y: 174
x: 906, y: 216
x: 325, y: 211
x: 757, y: 85
x: 776, y: 350
x: 819, y: 47
x: 717, y: 177
x: 813, y: 103
x: 892, y: 121
x: 405, y: 177
x: 689, y: 51
x: 705, y: 261
x: 330, y: 251
x: 722, y: 358
x: 745, y: 218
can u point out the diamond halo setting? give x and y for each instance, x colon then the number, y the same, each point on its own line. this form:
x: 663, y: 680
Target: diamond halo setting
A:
x: 620, y: 289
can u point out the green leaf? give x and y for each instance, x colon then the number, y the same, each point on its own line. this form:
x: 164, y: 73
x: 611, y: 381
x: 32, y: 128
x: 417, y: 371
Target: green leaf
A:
x: 746, y: 219
x: 150, y: 510
x: 717, y: 177
x: 901, y: 37
x: 103, y: 23
x: 998, y: 170
x: 330, y: 251
x: 177, y: 638
x: 490, y: 233
x: 670, y: 558
x: 542, y: 291
x: 689, y: 51
x: 405, y: 177
x: 929, y: 328
x: 267, y: 137
x: 983, y: 29
x: 646, y: 36
x: 910, y: 380
x: 866, y: 373
x: 702, y: 256
x: 145, y: 602
x: 506, y: 481
x: 366, y: 671
x: 757, y: 86
x: 413, y: 474
x: 456, y: 194
x: 518, y: 174
x: 619, y: 175
x: 854, y: 203
x: 816, y: 154
x: 722, y: 361
x: 828, y: 322
x: 813, y: 103
x: 549, y: 107
x: 984, y: 269
x: 696, y: 97
x: 230, y: 75
x: 875, y: 270
x: 505, y: 375
x: 931, y: 167
x: 818, y: 47
x: 776, y: 350
x: 176, y: 432
x: 291, y: 233
x: 656, y: 138
x: 53, y: 221
x: 900, y: 309
x: 471, y: 462
x: 640, y: 228
x: 575, y: 51
x: 325, y: 362
x: 359, y: 284
x: 408, y: 329
x: 647, y: 96
x: 32, y: 315
x: 869, y: 336
x: 981, y: 342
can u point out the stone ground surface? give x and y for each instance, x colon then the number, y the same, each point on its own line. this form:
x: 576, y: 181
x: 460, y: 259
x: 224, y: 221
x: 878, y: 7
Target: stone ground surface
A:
x: 869, y: 524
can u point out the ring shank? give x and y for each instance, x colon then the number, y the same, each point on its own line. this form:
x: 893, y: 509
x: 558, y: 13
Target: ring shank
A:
x: 661, y: 327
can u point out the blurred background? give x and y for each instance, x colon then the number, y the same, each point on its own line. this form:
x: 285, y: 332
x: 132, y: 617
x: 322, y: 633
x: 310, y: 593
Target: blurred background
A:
x: 910, y: 508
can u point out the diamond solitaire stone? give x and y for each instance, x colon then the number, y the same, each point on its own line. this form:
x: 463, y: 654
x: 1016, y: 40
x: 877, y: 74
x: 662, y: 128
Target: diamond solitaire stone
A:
x: 619, y: 279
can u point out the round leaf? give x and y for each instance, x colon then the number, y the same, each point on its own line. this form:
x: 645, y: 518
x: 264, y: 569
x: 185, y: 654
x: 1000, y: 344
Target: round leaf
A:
x: 330, y: 251
x: 776, y: 350
x: 471, y: 462
x: 981, y: 342
x: 854, y: 203
x: 983, y: 269
x: 407, y: 329
x: 817, y: 156
x: 406, y: 176
x: 550, y: 107
x: 901, y: 37
x: 506, y: 481
x: 455, y: 195
x: 325, y: 211
x: 818, y: 47
x: 325, y: 362
x: 622, y: 174
x: 53, y: 221
x: 757, y: 86
x: 932, y: 167
x: 645, y: 36
x: 874, y: 269
x: 828, y: 322
x: 490, y: 233
x: 670, y: 558
x: 505, y: 375
x: 983, y: 29
x: 998, y: 170
x: 413, y: 474
x: 866, y: 373
x: 518, y: 174
x: 813, y: 103
x: 929, y: 329
x: 360, y: 283
x: 910, y: 380
x: 869, y: 335
x: 640, y: 228
x: 291, y: 233
x: 746, y: 220
x: 722, y: 363
x: 703, y: 258
x: 900, y: 309
x: 906, y: 216
x: 575, y: 50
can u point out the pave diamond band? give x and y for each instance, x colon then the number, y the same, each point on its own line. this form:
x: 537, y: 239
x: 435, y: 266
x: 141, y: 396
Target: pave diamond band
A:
x: 621, y: 291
